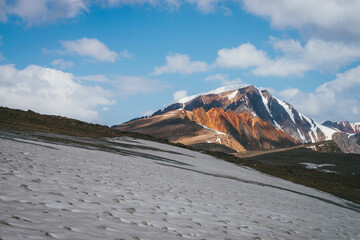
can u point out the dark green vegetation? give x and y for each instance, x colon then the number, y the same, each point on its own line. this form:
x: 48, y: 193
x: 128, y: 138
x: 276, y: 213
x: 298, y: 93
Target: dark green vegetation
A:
x: 18, y: 120
x: 345, y: 183
x: 283, y: 164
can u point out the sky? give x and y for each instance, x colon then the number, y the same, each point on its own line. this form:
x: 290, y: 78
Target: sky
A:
x: 109, y: 61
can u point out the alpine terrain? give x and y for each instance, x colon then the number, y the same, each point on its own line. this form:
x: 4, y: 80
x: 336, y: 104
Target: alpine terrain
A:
x: 348, y: 139
x: 344, y: 126
x: 237, y: 117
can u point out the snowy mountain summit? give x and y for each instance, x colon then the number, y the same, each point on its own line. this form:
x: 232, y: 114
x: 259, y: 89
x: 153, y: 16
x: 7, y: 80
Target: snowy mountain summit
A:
x: 240, y: 118
x: 261, y: 103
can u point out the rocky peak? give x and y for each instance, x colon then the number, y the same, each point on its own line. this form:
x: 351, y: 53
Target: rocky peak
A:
x: 344, y: 126
x: 260, y: 102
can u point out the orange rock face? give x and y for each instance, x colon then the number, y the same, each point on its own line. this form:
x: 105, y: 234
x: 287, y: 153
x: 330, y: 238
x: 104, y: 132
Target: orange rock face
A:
x: 249, y: 130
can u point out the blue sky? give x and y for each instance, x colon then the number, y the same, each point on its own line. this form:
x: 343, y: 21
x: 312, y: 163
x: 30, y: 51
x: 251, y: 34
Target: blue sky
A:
x: 109, y: 61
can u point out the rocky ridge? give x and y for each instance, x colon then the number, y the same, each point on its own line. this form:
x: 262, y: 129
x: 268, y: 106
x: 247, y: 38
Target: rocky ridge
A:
x: 248, y: 98
x: 238, y: 117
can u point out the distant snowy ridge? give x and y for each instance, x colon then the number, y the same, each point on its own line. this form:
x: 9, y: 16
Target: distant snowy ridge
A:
x: 215, y: 91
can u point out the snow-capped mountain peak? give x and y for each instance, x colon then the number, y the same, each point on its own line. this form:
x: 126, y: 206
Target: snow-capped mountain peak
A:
x: 259, y: 101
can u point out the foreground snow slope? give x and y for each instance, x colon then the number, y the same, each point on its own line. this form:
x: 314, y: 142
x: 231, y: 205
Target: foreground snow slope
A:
x: 147, y: 190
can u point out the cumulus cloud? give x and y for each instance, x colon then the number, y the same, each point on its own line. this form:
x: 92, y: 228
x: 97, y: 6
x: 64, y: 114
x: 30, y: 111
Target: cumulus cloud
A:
x: 50, y: 91
x: 244, y: 56
x: 90, y: 47
x: 205, y: 6
x: 181, y: 63
x: 223, y: 79
x: 125, y: 86
x: 36, y: 12
x: 293, y: 58
x: 94, y: 78
x: 179, y: 95
x: 328, y: 19
x: 336, y: 100
x: 133, y: 85
x: 62, y: 64
x: 155, y: 3
x: 226, y: 11
x: 125, y: 54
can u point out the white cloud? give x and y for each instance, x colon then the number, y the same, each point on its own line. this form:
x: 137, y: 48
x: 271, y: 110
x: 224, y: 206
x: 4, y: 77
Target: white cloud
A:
x: 125, y: 86
x: 329, y: 19
x: 90, y: 47
x: 205, y: 6
x: 154, y: 3
x: 179, y: 95
x: 226, y: 11
x: 133, y: 85
x: 244, y: 56
x: 336, y: 100
x: 223, y: 79
x: 62, y: 64
x: 294, y: 59
x: 36, y: 12
x: 125, y: 54
x: 181, y: 63
x: 50, y: 91
x: 94, y: 78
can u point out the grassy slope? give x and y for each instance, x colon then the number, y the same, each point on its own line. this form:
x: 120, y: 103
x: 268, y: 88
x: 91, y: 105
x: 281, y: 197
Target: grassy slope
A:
x: 18, y: 120
x: 343, y: 185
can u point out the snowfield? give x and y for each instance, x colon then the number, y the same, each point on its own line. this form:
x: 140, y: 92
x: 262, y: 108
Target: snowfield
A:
x: 135, y: 189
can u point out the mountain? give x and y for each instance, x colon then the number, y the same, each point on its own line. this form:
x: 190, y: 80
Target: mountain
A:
x: 344, y: 126
x: 348, y: 139
x: 245, y: 114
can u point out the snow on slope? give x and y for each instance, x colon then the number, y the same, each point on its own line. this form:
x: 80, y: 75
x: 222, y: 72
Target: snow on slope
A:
x: 233, y: 94
x: 216, y: 131
x: 155, y: 191
x: 287, y: 109
x: 299, y: 127
x: 216, y: 91
x: 266, y: 102
x: 356, y: 127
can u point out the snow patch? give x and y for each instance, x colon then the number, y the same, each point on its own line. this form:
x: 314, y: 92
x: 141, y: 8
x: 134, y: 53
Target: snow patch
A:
x: 327, y: 131
x: 216, y: 91
x: 311, y: 136
x: 89, y: 194
x: 277, y: 125
x: 319, y: 166
x: 287, y: 109
x: 355, y: 126
x: 265, y: 102
x: 232, y: 95
x: 303, y: 138
x: 218, y: 132
x: 312, y: 148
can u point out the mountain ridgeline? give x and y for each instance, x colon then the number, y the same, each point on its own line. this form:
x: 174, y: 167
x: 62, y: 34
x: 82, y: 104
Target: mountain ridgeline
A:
x: 239, y: 118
